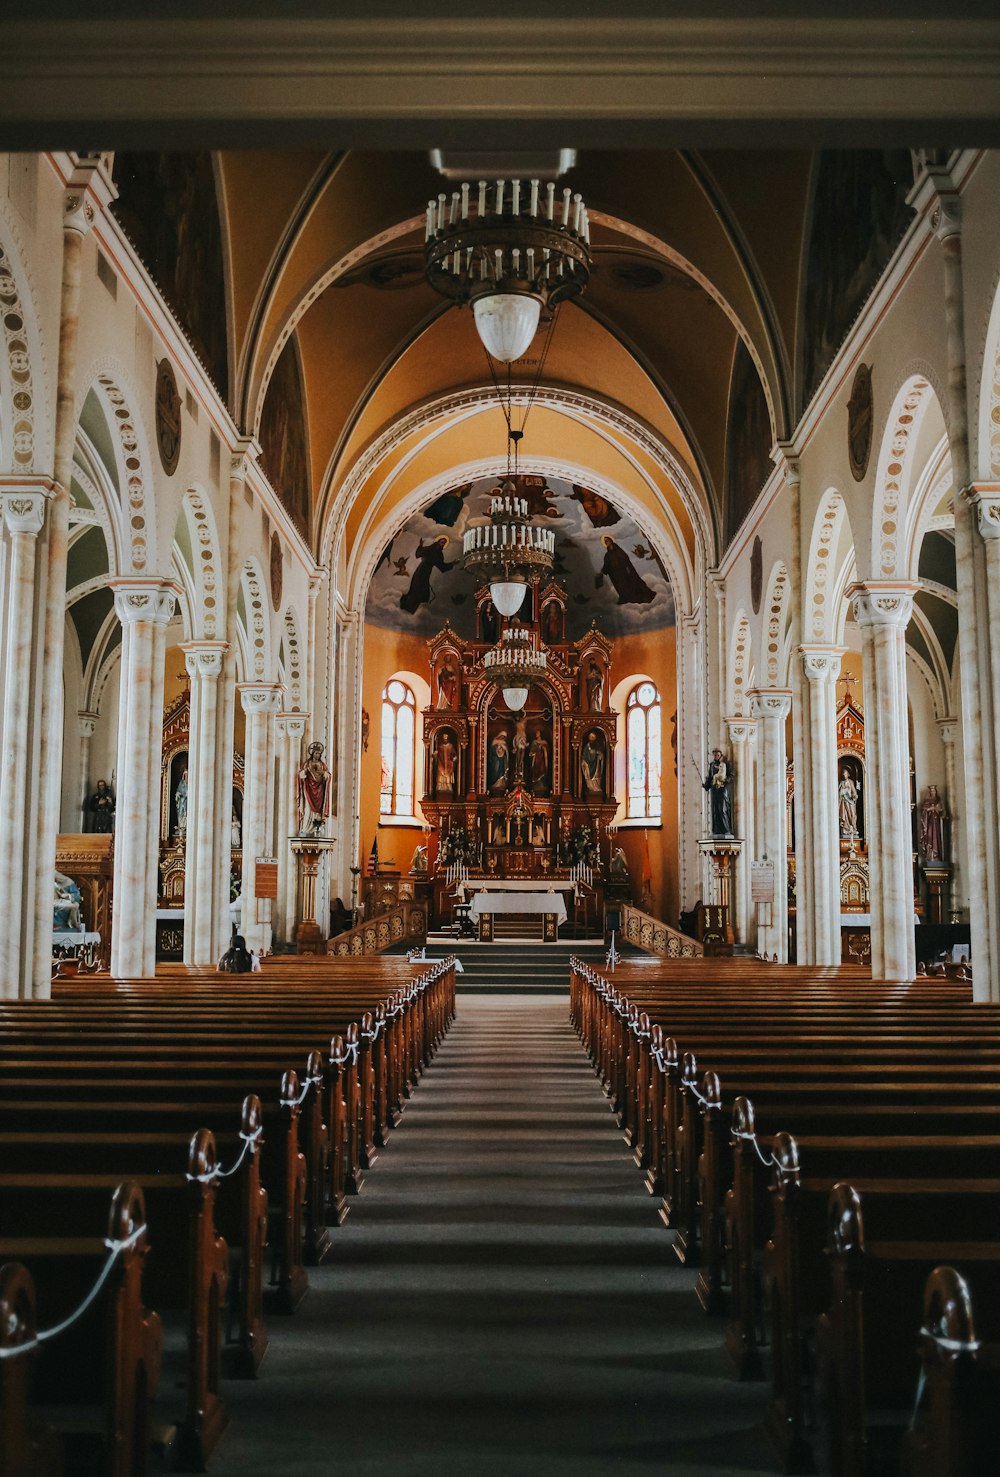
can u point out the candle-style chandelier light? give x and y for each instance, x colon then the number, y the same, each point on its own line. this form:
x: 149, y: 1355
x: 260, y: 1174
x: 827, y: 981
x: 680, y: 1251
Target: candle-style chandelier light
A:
x: 514, y: 664
x: 506, y: 551
x: 509, y: 249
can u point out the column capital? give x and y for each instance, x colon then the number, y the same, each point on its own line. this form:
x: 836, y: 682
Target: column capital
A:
x: 771, y: 702
x: 882, y: 602
x: 934, y: 195
x: 291, y: 725
x: 89, y: 191
x: 984, y: 497
x: 819, y: 662
x: 204, y: 658
x: 739, y: 730
x: 948, y: 729
x: 24, y: 510
x: 261, y: 697
x: 144, y: 599
x: 243, y: 458
x: 785, y: 454
x: 88, y: 723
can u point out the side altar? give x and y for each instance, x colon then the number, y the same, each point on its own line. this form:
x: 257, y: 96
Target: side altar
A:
x: 523, y: 794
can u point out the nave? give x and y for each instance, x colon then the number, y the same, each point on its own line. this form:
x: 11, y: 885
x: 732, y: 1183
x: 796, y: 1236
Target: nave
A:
x: 502, y: 1297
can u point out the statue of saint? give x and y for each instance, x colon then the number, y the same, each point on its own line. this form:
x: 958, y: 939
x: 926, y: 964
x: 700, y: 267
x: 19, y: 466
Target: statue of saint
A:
x: 419, y: 862
x: 235, y: 833
x: 595, y: 687
x: 716, y: 782
x: 67, y: 903
x: 181, y: 802
x: 498, y: 762
x: 847, y: 806
x: 312, y: 791
x: 445, y: 755
x: 538, y: 762
x: 447, y: 687
x: 592, y: 766
x: 618, y: 866
x: 520, y: 746
x: 932, y: 818
x: 102, y: 808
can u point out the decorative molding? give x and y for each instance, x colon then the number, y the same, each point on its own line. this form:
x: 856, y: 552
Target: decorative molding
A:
x: 984, y: 497
x: 882, y: 602
x: 149, y: 599
x: 24, y: 511
x: 771, y: 702
x: 204, y: 659
x: 261, y: 697
x: 821, y: 662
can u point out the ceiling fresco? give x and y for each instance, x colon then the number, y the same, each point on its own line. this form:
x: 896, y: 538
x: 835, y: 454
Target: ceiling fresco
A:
x: 606, y: 565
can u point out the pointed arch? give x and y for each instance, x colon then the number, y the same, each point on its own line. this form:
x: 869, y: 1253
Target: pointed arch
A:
x: 22, y: 376
x: 776, y: 614
x: 294, y: 667
x: 740, y: 667
x: 133, y: 461
x: 820, y: 604
x: 257, y: 626
x: 895, y: 474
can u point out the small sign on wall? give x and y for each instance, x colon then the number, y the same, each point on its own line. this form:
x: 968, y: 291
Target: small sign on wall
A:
x: 762, y: 882
x: 266, y: 876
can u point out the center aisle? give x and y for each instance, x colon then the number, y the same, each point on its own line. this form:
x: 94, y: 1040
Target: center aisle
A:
x: 502, y: 1298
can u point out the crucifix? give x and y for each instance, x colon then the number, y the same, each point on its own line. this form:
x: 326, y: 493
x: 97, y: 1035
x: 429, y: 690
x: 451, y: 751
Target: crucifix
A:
x: 847, y: 678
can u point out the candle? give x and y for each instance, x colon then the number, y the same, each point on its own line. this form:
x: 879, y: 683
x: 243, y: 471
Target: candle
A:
x: 578, y: 201
x: 482, y: 197
x: 565, y: 215
x: 453, y: 214
x: 500, y: 189
x: 550, y: 202
x: 515, y: 204
x: 534, y: 197
x: 429, y: 228
x: 441, y: 202
x: 465, y: 202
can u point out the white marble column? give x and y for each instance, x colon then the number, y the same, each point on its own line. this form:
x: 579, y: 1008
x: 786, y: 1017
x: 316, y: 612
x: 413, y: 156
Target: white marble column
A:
x: 24, y: 516
x: 208, y: 829
x: 88, y: 191
x: 818, y: 892
x: 261, y: 701
x: 740, y: 731
x: 946, y: 728
x: 771, y: 706
x: 882, y: 610
x: 144, y: 607
x: 88, y: 727
x: 290, y: 732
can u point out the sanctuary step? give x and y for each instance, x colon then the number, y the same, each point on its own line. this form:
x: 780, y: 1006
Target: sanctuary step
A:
x: 524, y: 968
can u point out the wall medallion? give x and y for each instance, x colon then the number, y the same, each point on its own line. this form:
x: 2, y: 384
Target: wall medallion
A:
x: 756, y: 573
x: 168, y: 416
x: 859, y: 422
x: 277, y: 571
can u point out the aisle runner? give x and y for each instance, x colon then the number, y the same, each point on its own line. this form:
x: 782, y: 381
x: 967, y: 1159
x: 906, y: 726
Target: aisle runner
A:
x: 502, y: 1298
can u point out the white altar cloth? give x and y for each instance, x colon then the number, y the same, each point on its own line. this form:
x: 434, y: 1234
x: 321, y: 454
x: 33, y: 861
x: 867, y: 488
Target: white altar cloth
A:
x: 519, y: 902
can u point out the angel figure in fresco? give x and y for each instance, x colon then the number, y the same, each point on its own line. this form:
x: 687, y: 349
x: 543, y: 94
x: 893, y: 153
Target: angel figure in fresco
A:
x: 429, y: 557
x: 629, y: 584
x: 597, y: 508
x: 447, y: 508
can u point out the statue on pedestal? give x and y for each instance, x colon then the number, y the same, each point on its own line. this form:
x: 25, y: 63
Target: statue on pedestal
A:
x: 716, y: 782
x: 312, y: 792
x: 931, y: 832
x: 102, y: 807
x: 847, y: 806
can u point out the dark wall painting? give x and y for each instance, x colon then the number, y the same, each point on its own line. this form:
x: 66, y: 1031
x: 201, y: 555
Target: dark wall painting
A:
x: 168, y: 207
x: 609, y: 570
x: 859, y: 214
x: 748, y: 440
x: 284, y: 446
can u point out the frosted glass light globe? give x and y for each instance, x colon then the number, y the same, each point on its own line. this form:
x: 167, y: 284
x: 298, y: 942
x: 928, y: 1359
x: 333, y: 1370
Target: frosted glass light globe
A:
x: 507, y: 322
x: 515, y: 697
x: 507, y: 596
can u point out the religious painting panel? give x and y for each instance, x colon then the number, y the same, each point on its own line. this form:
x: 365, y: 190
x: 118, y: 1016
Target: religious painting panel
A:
x: 283, y: 439
x: 444, y: 764
x: 610, y: 572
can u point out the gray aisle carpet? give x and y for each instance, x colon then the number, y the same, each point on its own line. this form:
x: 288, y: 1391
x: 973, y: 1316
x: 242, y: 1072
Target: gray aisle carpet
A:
x: 502, y: 1299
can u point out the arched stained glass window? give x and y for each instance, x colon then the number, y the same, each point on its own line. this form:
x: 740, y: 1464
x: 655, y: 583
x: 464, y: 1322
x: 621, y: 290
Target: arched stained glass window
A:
x: 399, y: 735
x: 643, y: 748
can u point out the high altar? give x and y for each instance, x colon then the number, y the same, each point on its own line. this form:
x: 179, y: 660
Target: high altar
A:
x: 520, y: 795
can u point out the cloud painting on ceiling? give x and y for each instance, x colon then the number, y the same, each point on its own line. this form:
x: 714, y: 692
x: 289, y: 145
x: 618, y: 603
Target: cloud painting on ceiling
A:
x: 607, y: 566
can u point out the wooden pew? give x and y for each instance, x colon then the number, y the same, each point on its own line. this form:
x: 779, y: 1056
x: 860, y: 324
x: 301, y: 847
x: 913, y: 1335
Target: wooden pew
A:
x: 60, y: 1272
x: 187, y: 1270
x: 953, y: 1431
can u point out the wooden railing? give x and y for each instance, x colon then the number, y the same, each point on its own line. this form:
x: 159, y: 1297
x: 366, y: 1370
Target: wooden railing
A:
x: 657, y: 938
x: 407, y: 921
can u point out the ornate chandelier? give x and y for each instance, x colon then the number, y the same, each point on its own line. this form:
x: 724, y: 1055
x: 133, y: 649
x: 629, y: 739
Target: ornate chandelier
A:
x: 514, y: 664
x: 508, y: 249
x: 505, y: 551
